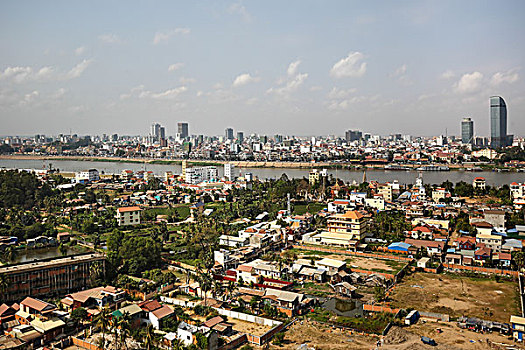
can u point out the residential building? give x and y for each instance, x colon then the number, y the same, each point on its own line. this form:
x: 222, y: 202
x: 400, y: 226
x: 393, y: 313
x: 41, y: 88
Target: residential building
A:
x: 496, y: 218
x: 518, y: 327
x: 128, y: 216
x: 50, y: 277
x: 228, y: 134
x: 352, y: 223
x: 87, y: 176
x: 491, y: 241
x: 196, y: 175
x: 479, y: 183
x: 229, y: 171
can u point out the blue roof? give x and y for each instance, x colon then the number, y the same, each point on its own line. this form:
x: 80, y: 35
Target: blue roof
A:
x: 512, y: 230
x: 399, y: 246
x: 464, y: 232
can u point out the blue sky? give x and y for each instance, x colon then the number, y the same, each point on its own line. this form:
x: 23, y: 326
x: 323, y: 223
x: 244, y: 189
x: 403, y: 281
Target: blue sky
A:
x: 287, y: 67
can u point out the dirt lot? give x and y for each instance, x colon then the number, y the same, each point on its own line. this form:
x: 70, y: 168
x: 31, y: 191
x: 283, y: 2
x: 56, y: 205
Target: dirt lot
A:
x: 457, y: 296
x: 322, y: 337
x: 369, y: 263
x: 452, y: 338
x: 248, y: 327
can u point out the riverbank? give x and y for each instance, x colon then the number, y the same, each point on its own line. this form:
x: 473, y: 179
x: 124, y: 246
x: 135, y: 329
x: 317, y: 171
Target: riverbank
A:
x: 237, y: 163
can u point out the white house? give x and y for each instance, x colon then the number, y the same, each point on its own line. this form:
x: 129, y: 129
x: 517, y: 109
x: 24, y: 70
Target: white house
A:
x: 87, y: 176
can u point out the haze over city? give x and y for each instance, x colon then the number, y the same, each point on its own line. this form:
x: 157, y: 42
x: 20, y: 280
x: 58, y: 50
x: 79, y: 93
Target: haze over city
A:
x: 296, y: 67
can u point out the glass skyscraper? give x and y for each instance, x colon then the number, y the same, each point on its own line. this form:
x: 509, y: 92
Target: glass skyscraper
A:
x: 467, y: 131
x: 498, y: 123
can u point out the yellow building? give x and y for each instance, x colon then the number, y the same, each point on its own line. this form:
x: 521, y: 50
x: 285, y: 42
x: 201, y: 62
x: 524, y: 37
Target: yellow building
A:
x: 351, y: 223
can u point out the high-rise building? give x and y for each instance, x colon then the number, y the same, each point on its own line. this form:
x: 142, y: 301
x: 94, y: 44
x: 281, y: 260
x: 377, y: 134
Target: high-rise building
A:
x: 162, y: 133
x: 155, y: 130
x: 498, y: 123
x: 240, y: 137
x: 183, y: 130
x: 228, y: 133
x: 229, y: 171
x: 353, y: 135
x: 467, y: 131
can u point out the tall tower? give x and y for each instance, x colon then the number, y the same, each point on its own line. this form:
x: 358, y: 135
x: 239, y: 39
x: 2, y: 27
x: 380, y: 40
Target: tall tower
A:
x: 498, y: 122
x: 183, y: 130
x: 467, y: 131
x: 228, y: 133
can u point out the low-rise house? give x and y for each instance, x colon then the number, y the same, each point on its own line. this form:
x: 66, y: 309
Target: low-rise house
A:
x: 512, y: 245
x: 518, y: 327
x: 157, y: 316
x: 479, y: 183
x: 482, y: 255
x: 49, y: 328
x: 285, y: 302
x: 312, y: 274
x: 496, y: 218
x: 345, y: 289
x: 432, y: 247
x: 465, y: 243
x: 454, y: 259
x: 94, y: 298
x: 27, y: 334
x: 502, y: 259
x: 490, y: 240
x: 33, y: 306
x: 185, y: 333
x: 135, y: 313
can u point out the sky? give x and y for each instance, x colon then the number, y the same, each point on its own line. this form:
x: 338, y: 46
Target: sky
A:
x: 267, y: 67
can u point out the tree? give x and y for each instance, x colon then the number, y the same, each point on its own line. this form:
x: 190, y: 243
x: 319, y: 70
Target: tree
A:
x: 519, y: 259
x: 278, y: 339
x: 102, y: 320
x: 79, y: 314
x: 379, y: 293
x: 4, y: 283
x: 148, y: 337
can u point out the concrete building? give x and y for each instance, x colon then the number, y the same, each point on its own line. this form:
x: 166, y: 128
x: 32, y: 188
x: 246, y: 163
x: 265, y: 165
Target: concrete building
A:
x: 229, y: 171
x: 87, y: 176
x: 197, y: 175
x: 49, y: 277
x: 228, y: 134
x: 183, y: 130
x: 467, y: 131
x: 128, y: 216
x: 498, y: 123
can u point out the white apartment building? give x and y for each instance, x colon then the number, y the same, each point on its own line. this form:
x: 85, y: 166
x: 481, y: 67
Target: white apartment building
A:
x: 87, y: 176
x: 199, y: 174
x: 229, y: 172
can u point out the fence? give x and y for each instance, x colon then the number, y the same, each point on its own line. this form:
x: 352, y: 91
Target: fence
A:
x: 481, y: 269
x: 178, y: 302
x: 84, y: 344
x: 376, y: 308
x: 435, y: 316
x: 235, y: 342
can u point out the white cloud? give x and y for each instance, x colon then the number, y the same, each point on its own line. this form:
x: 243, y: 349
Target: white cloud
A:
x: 29, y: 98
x: 185, y: 80
x: 25, y: 74
x: 175, y: 66
x: 292, y: 68
x: 244, y: 79
x: 346, y: 103
x: 509, y: 77
x: 80, y: 50
x: 469, y: 83
x: 77, y: 70
x: 291, y: 83
x: 109, y: 38
x: 238, y: 8
x: 163, y: 36
x: 59, y: 93
x: 141, y: 93
x: 349, y: 66
x: 448, y: 74
x: 400, y: 71
x: 336, y: 93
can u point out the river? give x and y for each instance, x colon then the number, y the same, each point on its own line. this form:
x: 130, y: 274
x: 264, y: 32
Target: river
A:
x: 404, y: 177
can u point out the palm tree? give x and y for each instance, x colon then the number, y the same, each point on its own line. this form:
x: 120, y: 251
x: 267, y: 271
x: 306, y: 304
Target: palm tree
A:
x: 148, y: 337
x: 114, y: 324
x: 125, y: 329
x: 102, y: 320
x: 4, y: 283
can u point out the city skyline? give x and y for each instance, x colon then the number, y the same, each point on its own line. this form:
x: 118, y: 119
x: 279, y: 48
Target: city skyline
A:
x: 412, y: 68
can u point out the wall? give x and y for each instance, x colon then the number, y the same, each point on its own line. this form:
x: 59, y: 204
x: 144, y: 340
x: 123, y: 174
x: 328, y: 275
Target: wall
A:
x: 349, y: 252
x: 482, y: 269
x: 84, y: 344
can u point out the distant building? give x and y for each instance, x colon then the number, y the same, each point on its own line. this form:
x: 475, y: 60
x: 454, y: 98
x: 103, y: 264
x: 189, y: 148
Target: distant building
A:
x: 479, y: 182
x: 229, y: 171
x: 155, y: 131
x: 228, y: 134
x: 183, y: 130
x: 467, y: 131
x: 128, y: 216
x: 498, y: 123
x: 87, y: 176
x: 315, y: 176
x: 240, y: 137
x: 353, y: 135
x: 197, y: 175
